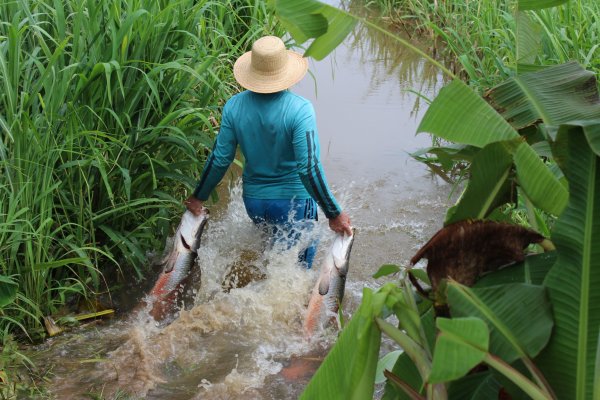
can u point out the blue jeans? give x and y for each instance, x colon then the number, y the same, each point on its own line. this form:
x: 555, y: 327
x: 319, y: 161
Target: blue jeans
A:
x: 285, y: 220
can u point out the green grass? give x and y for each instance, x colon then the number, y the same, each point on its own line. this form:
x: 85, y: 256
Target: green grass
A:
x: 479, y: 39
x: 107, y: 110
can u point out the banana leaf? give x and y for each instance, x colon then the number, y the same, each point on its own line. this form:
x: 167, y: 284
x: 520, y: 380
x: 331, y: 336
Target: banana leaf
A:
x: 445, y: 157
x: 306, y: 19
x: 488, y: 186
x: 407, y: 371
x: 348, y: 371
x: 480, y: 386
x: 529, y: 40
x: 569, y: 359
x: 518, y: 314
x: 301, y: 18
x: 458, y: 114
x: 590, y: 127
x: 532, y: 270
x: 339, y: 26
x: 405, y: 368
x: 542, y: 187
x: 461, y: 344
x: 555, y: 95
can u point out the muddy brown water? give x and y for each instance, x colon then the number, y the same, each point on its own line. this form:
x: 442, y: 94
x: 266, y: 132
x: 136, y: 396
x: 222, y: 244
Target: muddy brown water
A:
x: 247, y: 342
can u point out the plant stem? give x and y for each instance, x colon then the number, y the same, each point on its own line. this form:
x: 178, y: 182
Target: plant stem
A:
x: 516, y: 377
x: 410, y: 392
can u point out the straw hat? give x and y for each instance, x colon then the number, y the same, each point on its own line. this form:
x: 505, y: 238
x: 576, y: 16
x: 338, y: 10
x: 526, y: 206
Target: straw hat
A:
x: 269, y: 67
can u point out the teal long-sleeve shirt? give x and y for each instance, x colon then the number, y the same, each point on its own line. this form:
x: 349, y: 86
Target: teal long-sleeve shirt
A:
x: 277, y: 135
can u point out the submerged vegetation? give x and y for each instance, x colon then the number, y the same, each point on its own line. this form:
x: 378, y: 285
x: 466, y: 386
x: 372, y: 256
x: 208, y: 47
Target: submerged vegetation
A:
x: 107, y: 109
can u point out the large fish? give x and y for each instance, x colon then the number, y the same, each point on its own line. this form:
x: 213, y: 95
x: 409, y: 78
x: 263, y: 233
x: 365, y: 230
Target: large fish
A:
x: 328, y: 292
x: 178, y: 264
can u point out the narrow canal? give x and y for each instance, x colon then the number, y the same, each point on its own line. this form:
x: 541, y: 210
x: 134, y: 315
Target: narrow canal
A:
x: 241, y: 343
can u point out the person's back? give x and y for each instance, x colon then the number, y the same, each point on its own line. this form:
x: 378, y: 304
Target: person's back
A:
x: 264, y: 125
x: 276, y: 130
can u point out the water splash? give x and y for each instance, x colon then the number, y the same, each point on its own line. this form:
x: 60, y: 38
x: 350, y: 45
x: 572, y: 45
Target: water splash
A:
x: 226, y: 342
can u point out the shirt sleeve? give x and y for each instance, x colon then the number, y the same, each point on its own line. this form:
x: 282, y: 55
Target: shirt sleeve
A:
x: 306, y: 151
x: 220, y: 158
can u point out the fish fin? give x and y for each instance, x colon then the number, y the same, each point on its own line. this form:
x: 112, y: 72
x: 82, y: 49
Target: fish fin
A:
x: 341, y: 265
x: 169, y: 263
x: 324, y: 284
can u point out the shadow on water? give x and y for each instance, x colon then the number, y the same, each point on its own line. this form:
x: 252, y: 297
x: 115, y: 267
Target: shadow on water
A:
x: 247, y: 342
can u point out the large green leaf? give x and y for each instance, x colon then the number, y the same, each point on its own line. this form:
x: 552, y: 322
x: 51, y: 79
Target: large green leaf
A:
x: 542, y: 187
x: 301, y: 18
x: 518, y: 313
x: 590, y: 127
x: 480, y: 386
x: 348, y: 371
x: 340, y: 25
x: 306, y: 19
x: 407, y: 371
x: 533, y: 270
x: 417, y: 353
x: 413, y: 336
x: 573, y: 282
x: 555, y: 95
x: 445, y: 156
x: 461, y: 344
x: 458, y: 114
x: 488, y: 184
x: 386, y: 362
x: 529, y: 40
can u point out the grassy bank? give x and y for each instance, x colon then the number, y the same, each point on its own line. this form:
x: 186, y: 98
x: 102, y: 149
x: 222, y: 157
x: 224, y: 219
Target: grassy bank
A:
x: 479, y: 38
x: 107, y: 109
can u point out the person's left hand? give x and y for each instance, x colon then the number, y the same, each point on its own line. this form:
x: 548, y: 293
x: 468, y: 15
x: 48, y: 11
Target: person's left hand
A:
x: 194, y: 205
x: 341, y: 224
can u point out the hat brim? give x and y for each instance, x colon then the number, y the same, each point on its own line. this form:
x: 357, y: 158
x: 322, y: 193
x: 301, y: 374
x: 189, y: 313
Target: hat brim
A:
x: 253, y: 80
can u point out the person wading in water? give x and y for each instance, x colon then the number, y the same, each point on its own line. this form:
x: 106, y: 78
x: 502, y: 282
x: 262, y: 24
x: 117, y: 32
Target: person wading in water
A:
x: 283, y: 179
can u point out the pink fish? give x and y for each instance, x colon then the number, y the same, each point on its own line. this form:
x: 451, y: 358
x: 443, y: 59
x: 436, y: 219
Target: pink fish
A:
x: 328, y: 292
x: 177, y: 264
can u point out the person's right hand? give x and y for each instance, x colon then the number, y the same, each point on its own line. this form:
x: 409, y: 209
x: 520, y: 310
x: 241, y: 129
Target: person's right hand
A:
x: 194, y: 205
x: 341, y: 224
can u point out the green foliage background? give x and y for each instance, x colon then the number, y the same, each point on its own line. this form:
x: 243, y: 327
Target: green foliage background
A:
x: 534, y: 133
x: 107, y: 110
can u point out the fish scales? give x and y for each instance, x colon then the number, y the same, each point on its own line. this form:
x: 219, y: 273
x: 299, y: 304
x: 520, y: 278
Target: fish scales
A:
x: 178, y: 264
x: 328, y: 293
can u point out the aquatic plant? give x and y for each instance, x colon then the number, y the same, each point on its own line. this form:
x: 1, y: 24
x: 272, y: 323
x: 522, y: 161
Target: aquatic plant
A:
x: 107, y: 109
x: 531, y: 330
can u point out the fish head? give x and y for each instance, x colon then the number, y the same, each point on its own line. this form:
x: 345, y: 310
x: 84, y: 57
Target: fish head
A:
x: 187, y: 238
x: 191, y: 228
x: 341, y: 249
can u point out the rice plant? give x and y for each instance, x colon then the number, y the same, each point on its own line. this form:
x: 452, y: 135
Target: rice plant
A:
x: 107, y: 109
